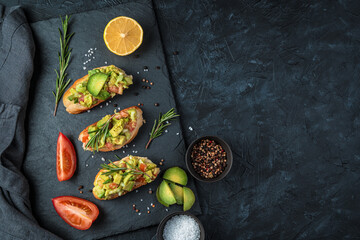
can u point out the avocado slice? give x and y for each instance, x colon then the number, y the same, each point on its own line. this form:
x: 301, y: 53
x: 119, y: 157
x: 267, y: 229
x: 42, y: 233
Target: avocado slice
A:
x: 96, y: 82
x: 166, y: 194
x: 178, y: 193
x: 189, y: 198
x: 176, y: 175
x: 159, y: 199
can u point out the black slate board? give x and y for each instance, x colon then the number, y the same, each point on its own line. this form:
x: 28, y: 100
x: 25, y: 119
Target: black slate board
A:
x: 116, y: 216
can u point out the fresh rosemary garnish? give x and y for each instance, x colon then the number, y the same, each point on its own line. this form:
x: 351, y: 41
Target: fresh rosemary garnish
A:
x: 161, y: 124
x: 64, y: 58
x: 113, y: 168
x: 100, y: 135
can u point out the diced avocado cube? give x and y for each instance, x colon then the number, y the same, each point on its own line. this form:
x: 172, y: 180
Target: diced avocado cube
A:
x: 127, y: 178
x: 117, y: 178
x: 119, y: 80
x: 133, y: 161
x: 81, y: 88
x: 104, y: 177
x: 87, y: 101
x: 101, y: 193
x: 116, y: 130
x: 129, y: 186
x: 150, y: 166
x: 91, y: 130
x: 132, y: 113
x: 119, y: 140
x: 148, y: 176
x: 128, y: 80
x: 103, y: 121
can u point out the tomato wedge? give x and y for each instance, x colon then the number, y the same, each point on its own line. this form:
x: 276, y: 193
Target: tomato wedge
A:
x: 65, y: 158
x: 78, y: 213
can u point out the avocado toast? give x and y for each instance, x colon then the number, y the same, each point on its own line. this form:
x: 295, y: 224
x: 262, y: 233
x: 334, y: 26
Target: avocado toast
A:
x: 123, y: 176
x: 95, y: 87
x: 112, y: 132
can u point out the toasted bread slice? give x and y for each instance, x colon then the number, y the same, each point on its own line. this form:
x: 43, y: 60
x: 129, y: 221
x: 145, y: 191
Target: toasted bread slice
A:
x: 76, y: 108
x: 116, y: 190
x: 133, y: 127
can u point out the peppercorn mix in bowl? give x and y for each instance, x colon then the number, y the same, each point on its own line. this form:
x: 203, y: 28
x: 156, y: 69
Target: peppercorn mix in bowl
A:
x: 209, y: 159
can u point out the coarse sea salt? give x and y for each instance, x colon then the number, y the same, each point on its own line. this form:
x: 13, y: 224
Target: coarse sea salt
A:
x: 181, y: 227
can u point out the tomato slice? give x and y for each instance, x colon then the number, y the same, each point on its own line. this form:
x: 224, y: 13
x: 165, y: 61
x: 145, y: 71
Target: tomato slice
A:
x: 78, y: 213
x: 113, y: 185
x: 65, y: 158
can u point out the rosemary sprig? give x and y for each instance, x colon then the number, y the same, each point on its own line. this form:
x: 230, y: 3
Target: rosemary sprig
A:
x: 113, y: 168
x: 162, y: 123
x: 100, y: 135
x: 64, y: 58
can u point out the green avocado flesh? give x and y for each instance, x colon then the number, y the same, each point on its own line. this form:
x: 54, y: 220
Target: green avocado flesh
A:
x: 123, y: 181
x: 189, y: 198
x: 178, y: 193
x: 166, y: 194
x: 96, y: 82
x: 176, y: 175
x: 159, y: 199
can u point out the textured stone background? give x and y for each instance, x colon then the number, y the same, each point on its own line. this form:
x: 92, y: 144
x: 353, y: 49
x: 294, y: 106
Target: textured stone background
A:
x: 279, y: 80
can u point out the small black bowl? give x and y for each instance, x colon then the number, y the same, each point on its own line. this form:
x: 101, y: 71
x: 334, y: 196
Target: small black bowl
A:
x: 229, y: 159
x: 160, y: 229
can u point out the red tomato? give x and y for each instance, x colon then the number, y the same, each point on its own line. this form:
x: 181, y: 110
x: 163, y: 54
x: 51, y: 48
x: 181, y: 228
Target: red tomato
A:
x: 141, y: 180
x: 142, y: 167
x: 113, y: 185
x: 78, y: 213
x: 65, y: 158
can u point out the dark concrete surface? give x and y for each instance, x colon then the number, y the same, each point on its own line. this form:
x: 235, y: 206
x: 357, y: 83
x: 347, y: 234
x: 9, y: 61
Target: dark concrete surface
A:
x: 279, y: 80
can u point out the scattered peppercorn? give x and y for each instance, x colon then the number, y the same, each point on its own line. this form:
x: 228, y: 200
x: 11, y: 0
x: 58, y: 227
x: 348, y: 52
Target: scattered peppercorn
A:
x: 143, y: 80
x: 137, y: 210
x: 80, y: 187
x: 134, y: 205
x: 81, y: 191
x: 139, y: 104
x: 175, y: 52
x: 115, y: 105
x: 157, y: 67
x: 162, y: 160
x: 156, y: 104
x: 148, y: 211
x: 151, y: 83
x: 208, y: 158
x: 153, y: 205
x: 150, y: 192
x: 148, y: 87
x: 161, y: 163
